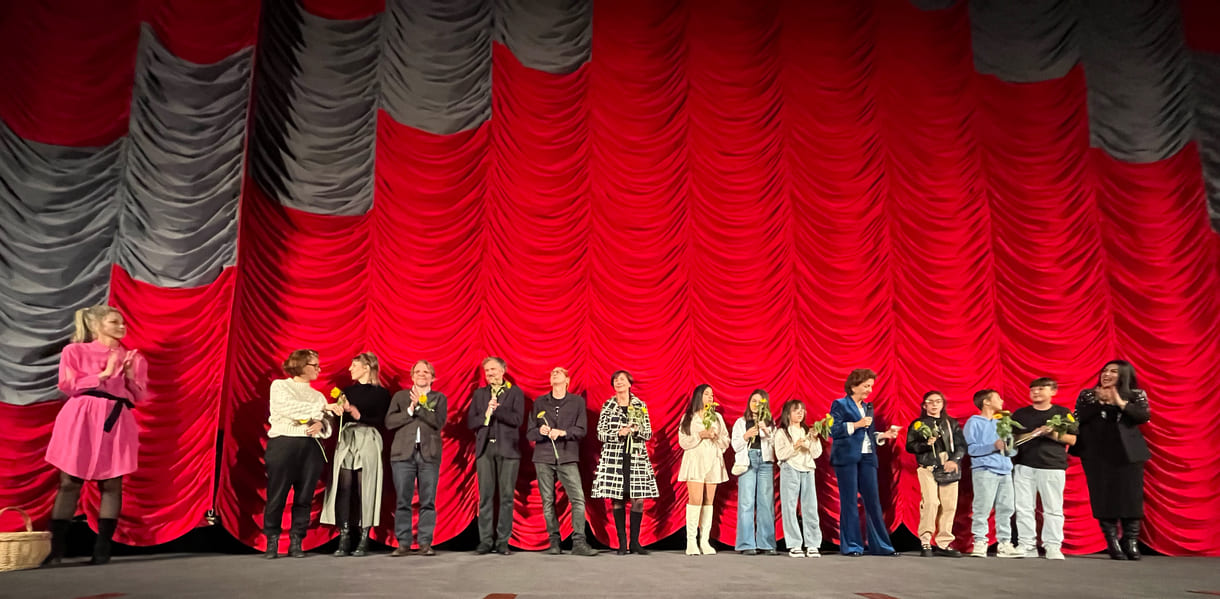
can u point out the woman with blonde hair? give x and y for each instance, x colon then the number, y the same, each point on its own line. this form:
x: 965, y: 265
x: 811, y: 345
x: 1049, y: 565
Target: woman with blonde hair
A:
x: 353, y: 498
x: 95, y: 437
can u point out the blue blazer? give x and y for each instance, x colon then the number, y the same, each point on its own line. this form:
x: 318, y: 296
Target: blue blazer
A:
x: 846, y: 449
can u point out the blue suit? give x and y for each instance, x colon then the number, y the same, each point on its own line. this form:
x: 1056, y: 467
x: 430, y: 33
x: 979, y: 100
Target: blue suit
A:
x: 857, y: 474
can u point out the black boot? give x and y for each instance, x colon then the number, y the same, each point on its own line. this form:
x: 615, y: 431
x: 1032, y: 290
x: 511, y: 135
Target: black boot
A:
x: 620, y: 523
x: 1131, y: 538
x: 636, y: 547
x: 1109, y: 528
x: 273, y: 546
x: 294, y: 546
x: 362, y: 549
x: 553, y: 547
x: 345, y: 540
x: 59, y: 542
x: 101, y: 547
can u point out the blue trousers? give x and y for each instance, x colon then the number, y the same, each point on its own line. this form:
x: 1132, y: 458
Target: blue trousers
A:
x: 861, y: 479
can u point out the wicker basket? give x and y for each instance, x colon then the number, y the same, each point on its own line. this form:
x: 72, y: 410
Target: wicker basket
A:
x: 23, y: 550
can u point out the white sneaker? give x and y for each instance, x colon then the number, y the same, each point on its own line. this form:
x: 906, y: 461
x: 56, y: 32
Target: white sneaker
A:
x: 1030, y: 552
x: 980, y: 550
x: 796, y: 552
x: 812, y: 553
x: 1008, y: 550
x: 1054, y: 553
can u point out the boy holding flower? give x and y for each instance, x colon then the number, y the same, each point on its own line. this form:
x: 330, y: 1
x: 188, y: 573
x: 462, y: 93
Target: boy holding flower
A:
x: 1040, y: 468
x: 990, y: 470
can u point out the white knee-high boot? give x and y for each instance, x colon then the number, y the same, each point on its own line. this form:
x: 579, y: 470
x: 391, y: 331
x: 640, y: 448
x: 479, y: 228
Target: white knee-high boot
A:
x: 705, y: 530
x: 692, y: 527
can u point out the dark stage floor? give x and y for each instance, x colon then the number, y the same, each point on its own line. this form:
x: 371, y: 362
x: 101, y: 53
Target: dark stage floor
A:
x: 663, y: 573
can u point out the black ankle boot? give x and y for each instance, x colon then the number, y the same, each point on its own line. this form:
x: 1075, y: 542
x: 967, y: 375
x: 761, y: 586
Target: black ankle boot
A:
x: 1109, y: 528
x: 620, y: 523
x: 1131, y: 538
x: 362, y: 549
x: 273, y: 547
x: 345, y: 540
x: 101, y: 547
x: 294, y: 546
x: 59, y: 542
x: 636, y: 547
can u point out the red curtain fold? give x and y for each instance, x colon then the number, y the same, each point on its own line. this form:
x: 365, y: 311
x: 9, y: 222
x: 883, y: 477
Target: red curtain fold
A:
x: 68, y: 69
x: 303, y: 282
x: 27, y: 481
x: 202, y: 32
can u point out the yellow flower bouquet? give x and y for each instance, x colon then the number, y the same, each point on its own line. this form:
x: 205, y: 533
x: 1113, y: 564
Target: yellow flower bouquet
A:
x: 709, y: 415
x: 1063, y: 425
x: 927, y: 432
x: 821, y: 427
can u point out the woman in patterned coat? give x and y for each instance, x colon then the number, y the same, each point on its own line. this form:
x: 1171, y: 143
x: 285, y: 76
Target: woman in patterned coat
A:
x: 624, y: 429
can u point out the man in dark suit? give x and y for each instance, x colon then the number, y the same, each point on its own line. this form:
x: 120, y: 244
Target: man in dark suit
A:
x: 495, y: 415
x: 417, y: 415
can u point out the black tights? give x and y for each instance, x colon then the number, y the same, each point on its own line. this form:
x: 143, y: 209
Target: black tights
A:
x: 637, y: 505
x: 347, y: 498
x: 69, y: 495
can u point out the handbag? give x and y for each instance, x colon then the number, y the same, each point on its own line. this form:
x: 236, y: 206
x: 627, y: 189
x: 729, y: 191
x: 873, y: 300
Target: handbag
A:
x: 939, y: 474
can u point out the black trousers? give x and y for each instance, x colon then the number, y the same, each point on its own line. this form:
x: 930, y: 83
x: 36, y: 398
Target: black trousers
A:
x: 496, y: 473
x: 292, y: 463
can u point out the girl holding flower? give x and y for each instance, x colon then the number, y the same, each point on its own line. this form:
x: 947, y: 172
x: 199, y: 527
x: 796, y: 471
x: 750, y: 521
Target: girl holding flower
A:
x: 751, y: 441
x: 939, y: 445
x: 353, y: 499
x: 624, y: 472
x: 797, y: 447
x: 703, y: 438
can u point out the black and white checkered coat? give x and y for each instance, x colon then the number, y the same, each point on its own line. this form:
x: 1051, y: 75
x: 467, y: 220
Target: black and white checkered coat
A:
x: 608, y: 481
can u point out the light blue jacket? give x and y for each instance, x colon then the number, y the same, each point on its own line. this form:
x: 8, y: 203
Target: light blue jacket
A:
x: 980, y: 443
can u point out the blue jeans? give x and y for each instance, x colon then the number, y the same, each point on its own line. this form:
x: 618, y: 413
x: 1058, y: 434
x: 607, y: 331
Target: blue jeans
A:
x: 991, y: 489
x: 861, y: 478
x: 756, y: 505
x: 795, y: 486
x: 405, y: 474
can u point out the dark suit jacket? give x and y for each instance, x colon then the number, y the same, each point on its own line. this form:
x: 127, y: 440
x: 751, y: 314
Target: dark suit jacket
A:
x: 846, y: 449
x: 1094, y: 416
x: 428, y: 422
x: 505, y: 421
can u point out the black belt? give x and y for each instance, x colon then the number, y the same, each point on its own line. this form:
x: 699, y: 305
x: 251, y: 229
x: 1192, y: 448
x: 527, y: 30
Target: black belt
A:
x: 119, y: 404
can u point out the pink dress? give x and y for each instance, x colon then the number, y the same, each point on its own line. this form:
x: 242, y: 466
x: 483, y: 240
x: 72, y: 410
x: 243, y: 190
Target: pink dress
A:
x: 80, y: 445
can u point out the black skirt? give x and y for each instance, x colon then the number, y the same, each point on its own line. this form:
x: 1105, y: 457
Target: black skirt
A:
x: 1116, y: 489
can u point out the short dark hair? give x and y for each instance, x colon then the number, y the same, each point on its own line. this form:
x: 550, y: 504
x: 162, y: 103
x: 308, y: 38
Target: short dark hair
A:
x: 630, y: 381
x: 856, y: 377
x: 981, y: 396
x: 295, y: 364
x: 1044, y: 381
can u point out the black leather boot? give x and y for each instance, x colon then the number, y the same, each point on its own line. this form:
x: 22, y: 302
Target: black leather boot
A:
x: 1131, y: 538
x: 345, y: 540
x: 59, y: 541
x: 362, y: 548
x: 294, y: 546
x: 273, y: 547
x: 101, y: 547
x: 620, y: 523
x: 1109, y: 528
x: 636, y: 547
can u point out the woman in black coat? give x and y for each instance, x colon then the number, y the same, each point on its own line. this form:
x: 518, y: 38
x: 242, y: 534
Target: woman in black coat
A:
x: 1113, y: 451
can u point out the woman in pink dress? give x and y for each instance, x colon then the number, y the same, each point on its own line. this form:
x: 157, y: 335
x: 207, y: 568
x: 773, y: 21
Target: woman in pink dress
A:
x: 95, y: 436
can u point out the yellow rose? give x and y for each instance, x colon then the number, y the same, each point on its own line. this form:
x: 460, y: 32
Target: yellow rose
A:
x: 918, y: 425
x: 542, y: 414
x: 1071, y: 418
x: 830, y: 421
x: 508, y: 385
x: 997, y: 416
x: 335, y: 392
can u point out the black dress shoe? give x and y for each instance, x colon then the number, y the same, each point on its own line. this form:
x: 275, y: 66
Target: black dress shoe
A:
x: 482, y: 549
x: 427, y: 551
x: 925, y: 551
x: 748, y: 552
x: 853, y: 554
x: 503, y: 550
x: 946, y: 552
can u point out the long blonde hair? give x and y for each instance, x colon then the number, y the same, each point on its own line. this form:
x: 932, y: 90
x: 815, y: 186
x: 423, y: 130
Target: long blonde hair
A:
x: 85, y: 317
x: 369, y: 359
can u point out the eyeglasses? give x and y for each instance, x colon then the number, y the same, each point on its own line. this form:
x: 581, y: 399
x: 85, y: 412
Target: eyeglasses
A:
x: 317, y: 365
